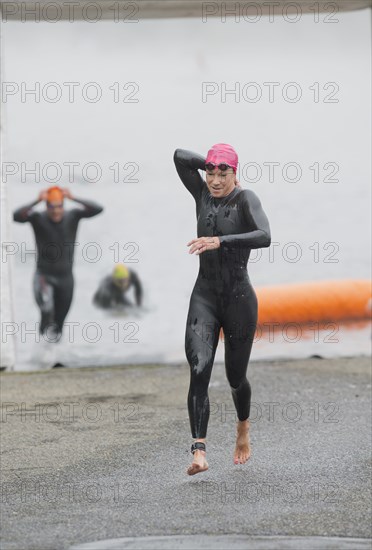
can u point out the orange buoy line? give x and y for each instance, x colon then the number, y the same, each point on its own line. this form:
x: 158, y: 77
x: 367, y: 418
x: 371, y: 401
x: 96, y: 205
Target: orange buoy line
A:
x: 315, y: 301
x: 347, y: 301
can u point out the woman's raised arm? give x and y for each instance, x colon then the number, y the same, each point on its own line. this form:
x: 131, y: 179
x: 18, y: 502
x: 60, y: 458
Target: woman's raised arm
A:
x: 187, y: 165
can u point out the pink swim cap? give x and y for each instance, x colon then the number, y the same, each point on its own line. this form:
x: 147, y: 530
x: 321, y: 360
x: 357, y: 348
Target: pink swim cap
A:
x: 222, y: 152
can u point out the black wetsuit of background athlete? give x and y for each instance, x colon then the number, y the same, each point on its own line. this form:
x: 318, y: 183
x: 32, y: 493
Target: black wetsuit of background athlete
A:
x: 223, y: 295
x: 53, y: 280
x: 109, y: 295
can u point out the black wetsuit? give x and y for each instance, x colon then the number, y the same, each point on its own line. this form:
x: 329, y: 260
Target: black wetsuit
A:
x: 110, y: 295
x: 223, y: 296
x: 53, y: 280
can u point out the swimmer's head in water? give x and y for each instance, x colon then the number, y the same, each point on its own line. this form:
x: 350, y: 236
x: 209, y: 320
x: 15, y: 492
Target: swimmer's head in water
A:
x: 120, y: 276
x: 54, y: 202
x: 220, y: 166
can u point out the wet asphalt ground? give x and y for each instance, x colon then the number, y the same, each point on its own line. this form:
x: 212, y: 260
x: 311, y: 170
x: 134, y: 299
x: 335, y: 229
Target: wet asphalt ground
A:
x: 96, y: 454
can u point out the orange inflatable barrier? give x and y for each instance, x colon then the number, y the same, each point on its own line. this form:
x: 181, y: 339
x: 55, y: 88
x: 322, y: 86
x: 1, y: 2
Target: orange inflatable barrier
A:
x: 315, y: 301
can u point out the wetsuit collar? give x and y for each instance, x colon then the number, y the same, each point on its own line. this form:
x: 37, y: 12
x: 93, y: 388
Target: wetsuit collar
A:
x: 219, y: 199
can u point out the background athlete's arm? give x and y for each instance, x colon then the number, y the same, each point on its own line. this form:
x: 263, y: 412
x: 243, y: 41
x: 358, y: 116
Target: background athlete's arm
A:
x: 24, y: 213
x: 90, y: 208
x: 260, y: 237
x: 137, y: 287
x: 102, y: 297
x: 187, y: 165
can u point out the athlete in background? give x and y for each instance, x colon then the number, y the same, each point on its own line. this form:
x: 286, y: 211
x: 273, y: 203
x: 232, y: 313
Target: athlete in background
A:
x: 55, y: 235
x: 112, y: 289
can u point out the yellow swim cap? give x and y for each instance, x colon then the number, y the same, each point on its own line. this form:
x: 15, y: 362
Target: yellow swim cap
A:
x: 120, y: 272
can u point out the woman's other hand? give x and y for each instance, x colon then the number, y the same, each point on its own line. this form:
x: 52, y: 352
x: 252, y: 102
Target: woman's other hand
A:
x: 202, y: 244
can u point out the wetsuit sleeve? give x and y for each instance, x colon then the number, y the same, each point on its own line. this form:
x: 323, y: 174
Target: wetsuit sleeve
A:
x: 138, y: 287
x: 187, y: 166
x: 90, y: 209
x: 102, y: 297
x: 25, y: 213
x: 260, y: 236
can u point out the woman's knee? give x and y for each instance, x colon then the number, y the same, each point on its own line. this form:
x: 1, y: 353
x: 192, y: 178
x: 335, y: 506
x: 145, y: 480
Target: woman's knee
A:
x: 199, y: 356
x: 200, y: 375
x: 237, y: 382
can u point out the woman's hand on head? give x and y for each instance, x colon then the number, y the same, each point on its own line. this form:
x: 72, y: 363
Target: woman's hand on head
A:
x: 202, y: 244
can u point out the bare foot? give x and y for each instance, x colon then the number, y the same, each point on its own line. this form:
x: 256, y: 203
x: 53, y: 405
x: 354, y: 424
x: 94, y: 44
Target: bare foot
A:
x: 242, y: 447
x: 199, y: 463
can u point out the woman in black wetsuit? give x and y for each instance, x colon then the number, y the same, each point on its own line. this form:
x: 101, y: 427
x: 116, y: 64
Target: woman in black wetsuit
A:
x: 230, y: 222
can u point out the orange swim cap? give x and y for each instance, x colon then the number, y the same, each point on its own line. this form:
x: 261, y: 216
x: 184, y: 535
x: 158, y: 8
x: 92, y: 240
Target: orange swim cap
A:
x: 54, y: 194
